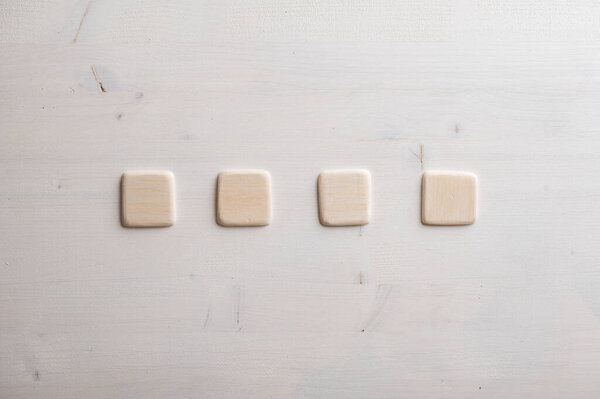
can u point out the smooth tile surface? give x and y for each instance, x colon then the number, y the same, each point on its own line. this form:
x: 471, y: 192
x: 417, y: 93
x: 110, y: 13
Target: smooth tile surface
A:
x: 244, y: 198
x: 344, y: 197
x: 448, y: 198
x: 147, y: 199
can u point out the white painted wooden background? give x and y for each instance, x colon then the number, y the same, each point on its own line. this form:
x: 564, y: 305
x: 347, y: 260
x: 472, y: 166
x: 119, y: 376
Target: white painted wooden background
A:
x: 506, y: 308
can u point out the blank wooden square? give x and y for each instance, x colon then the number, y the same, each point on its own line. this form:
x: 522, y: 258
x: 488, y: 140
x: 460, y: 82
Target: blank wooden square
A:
x: 147, y: 199
x: 344, y: 197
x: 448, y: 198
x: 244, y: 198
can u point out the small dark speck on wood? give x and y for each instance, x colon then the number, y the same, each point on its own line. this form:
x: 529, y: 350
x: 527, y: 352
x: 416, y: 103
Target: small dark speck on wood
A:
x: 36, y: 375
x: 381, y: 297
x: 102, y: 90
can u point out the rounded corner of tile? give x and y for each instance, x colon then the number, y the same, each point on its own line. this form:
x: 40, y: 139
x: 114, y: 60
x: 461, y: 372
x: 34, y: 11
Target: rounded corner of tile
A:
x: 325, y: 222
x: 219, y: 221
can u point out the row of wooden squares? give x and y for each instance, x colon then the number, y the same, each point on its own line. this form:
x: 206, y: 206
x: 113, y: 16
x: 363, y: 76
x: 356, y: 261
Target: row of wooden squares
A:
x: 344, y: 198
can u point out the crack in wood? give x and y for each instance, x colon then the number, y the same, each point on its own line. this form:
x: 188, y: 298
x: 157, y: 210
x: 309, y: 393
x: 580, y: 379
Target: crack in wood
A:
x: 81, y: 22
x: 102, y: 89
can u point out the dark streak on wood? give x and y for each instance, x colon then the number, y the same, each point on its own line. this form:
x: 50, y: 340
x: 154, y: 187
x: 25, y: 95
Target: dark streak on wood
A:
x: 102, y: 90
x: 207, y: 316
x: 238, y: 310
x: 81, y: 22
x: 381, y: 297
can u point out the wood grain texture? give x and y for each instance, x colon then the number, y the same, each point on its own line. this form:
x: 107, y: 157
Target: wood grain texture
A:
x: 148, y: 199
x: 448, y: 198
x: 344, y: 197
x: 244, y: 198
x: 506, y: 89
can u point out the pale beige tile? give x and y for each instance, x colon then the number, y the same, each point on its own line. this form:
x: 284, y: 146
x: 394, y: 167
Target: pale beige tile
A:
x: 448, y: 198
x: 147, y: 199
x: 344, y: 197
x: 244, y: 198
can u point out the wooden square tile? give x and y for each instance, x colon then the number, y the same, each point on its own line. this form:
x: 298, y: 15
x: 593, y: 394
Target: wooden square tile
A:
x: 344, y: 197
x: 147, y: 199
x: 244, y: 198
x: 448, y: 198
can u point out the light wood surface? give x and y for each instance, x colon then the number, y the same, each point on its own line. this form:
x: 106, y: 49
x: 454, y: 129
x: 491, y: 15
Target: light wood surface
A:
x: 344, y: 197
x: 244, y: 198
x: 448, y: 198
x: 147, y: 199
x: 505, y: 308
